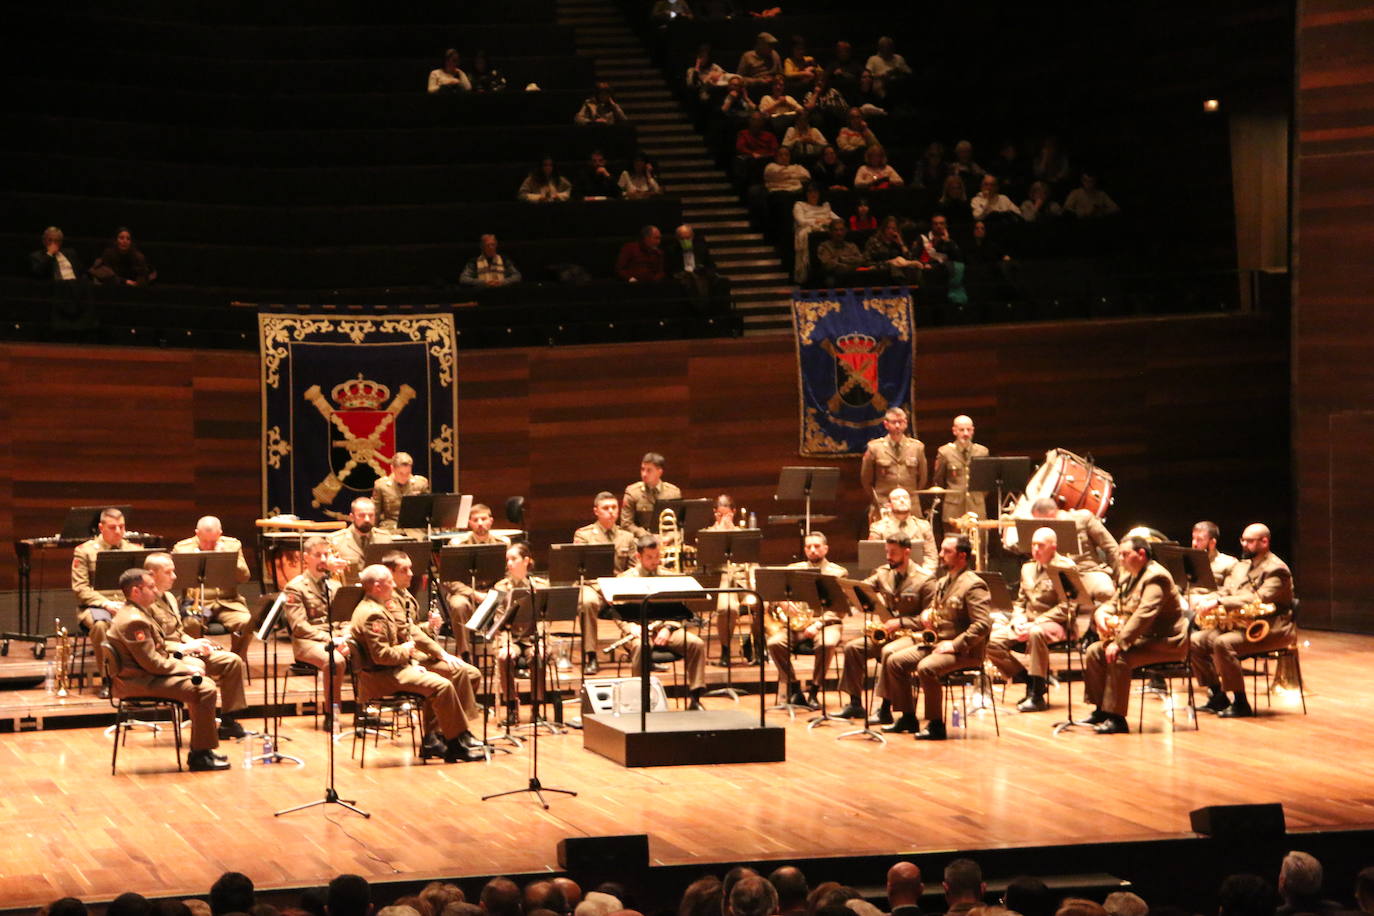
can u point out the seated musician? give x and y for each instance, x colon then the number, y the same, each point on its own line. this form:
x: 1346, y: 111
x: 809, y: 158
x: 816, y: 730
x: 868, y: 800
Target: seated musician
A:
x: 737, y: 576
x: 97, y: 609
x: 144, y: 667
x: 899, y: 519
x: 959, y: 615
x: 388, y: 491
x: 515, y: 649
x: 590, y: 605
x: 905, y: 589
x: 306, y: 612
x: 1258, y: 579
x: 644, y: 494
x: 462, y: 598
x: 223, y: 604
x: 350, y: 544
x: 1094, y: 555
x: 1205, y: 537
x: 670, y: 634
x: 793, y: 625
x: 1143, y: 624
x: 226, y: 669
x: 388, y: 662
x: 1037, y: 620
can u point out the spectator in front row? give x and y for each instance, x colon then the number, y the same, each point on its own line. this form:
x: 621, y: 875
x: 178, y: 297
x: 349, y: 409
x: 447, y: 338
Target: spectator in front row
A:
x: 54, y: 261
x: 1039, y: 207
x: 349, y: 895
x: 641, y: 261
x: 1125, y: 903
x: 232, y: 892
x: 449, y: 78
x: 485, y: 77
x: 1300, y: 886
x: 1030, y: 896
x: 964, y: 887
x: 991, y: 200
x: 839, y: 258
x: 601, y: 108
x: 490, y: 268
x: 638, y: 180
x: 597, y: 183
x: 876, y: 172
x: 1088, y: 201
x: 904, y: 889
x: 1246, y: 895
x: 122, y: 264
x: 544, y: 184
x: 1364, y: 889
x: 752, y: 896
x: 688, y: 261
x: 759, y: 65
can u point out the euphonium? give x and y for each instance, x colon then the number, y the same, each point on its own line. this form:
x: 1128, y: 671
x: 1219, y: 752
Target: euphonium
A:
x: 779, y: 618
x: 670, y: 541
x: 968, y: 526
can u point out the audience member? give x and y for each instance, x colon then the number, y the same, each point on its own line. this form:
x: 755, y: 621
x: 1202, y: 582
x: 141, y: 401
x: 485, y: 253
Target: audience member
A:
x: 887, y: 66
x: 200, y: 907
x: 932, y: 169
x: 939, y: 245
x: 829, y: 171
x: 866, y: 97
x: 782, y: 174
x: 752, y: 896
x: 545, y: 184
x: 54, y: 261
x: 825, y: 100
x: 805, y: 141
x: 122, y: 264
x: 985, y: 250
x: 351, y: 895
x: 689, y: 262
x: 641, y: 261
x: 638, y: 181
x: 597, y: 182
x: 500, y: 897
x: 485, y: 77
x: 64, y: 906
x: 776, y: 105
x: 313, y: 901
x: 1079, y: 906
x: 839, y: 258
x: 702, y: 898
x: 843, y: 68
x: 232, y: 892
x: 828, y: 899
x: 862, y: 219
x: 179, y: 908
x: 855, y: 135
x: 790, y: 885
x: 954, y: 203
x: 761, y: 63
x: 601, y: 108
x: 439, y: 894
x: 737, y: 102
x: 490, y: 267
x: 733, y: 877
x: 964, y: 887
x: 991, y: 202
x: 810, y: 214
x: 1039, y: 207
x: 799, y: 65
x: 876, y: 173
x: 964, y: 165
x: 129, y: 904
x: 1364, y: 889
x: 705, y: 73
x: 1246, y: 895
x: 398, y: 909
x: 1124, y: 903
x: 598, y: 903
x: 1050, y: 164
x: 1088, y: 201
x: 756, y: 142
x: 572, y: 893
x: 542, y: 895
x: 463, y: 908
x: 449, y: 77
x: 904, y: 889
x: 1030, y: 896
x: 1300, y: 886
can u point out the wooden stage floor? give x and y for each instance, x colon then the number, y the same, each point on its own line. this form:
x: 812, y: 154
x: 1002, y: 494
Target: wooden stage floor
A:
x: 73, y: 829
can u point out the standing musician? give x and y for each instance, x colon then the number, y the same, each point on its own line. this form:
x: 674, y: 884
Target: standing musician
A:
x: 225, y: 668
x: 516, y: 648
x: 388, y: 490
x: 97, y: 609
x: 590, y: 604
x: 224, y: 604
x: 905, y: 589
x: 387, y: 662
x: 306, y: 612
x: 643, y: 495
x: 894, y: 460
x: 462, y: 598
x: 738, y: 575
x: 951, y: 472
x: 665, y: 633
x: 350, y: 544
x: 1144, y: 625
x: 1095, y: 554
x: 959, y: 615
x: 899, y: 519
x: 1258, y: 579
x: 1038, y: 619
x: 790, y: 624
x: 145, y: 668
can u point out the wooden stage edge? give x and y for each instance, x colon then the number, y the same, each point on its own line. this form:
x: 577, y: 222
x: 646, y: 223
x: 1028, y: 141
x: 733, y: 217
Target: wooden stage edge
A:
x: 75, y: 829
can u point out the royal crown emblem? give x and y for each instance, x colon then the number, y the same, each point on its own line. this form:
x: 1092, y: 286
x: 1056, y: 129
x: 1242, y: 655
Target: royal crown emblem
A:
x: 360, y: 394
x: 856, y: 343
x: 856, y: 371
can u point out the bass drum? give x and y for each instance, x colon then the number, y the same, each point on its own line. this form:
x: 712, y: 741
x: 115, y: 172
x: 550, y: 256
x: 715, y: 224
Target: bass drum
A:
x: 1073, y: 482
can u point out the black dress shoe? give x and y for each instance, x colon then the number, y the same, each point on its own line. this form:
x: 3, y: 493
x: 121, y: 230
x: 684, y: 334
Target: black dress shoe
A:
x: 1114, y: 725
x: 907, y: 724
x: 468, y: 739
x: 103, y: 692
x: 433, y: 746
x: 512, y: 716
x: 1215, y: 703
x: 1096, y: 717
x: 853, y: 711
x: 456, y: 753
x: 797, y: 698
x: 204, y: 762
x: 1033, y: 703
x: 934, y: 731
x: 882, y: 717
x: 695, y: 705
x: 219, y: 756
x: 725, y: 659
x: 230, y: 729
x: 1237, y: 710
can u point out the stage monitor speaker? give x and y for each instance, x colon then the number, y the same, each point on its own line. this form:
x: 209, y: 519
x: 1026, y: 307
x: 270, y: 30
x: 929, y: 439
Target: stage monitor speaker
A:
x: 599, y: 695
x: 603, y: 855
x: 1252, y: 822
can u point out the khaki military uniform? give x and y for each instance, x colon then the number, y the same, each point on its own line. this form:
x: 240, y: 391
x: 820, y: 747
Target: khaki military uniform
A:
x: 639, y: 498
x: 306, y: 612
x: 387, y: 493
x: 1094, y: 556
x: 590, y: 604
x: 466, y: 678
x: 728, y: 606
x: 888, y: 465
x: 143, y: 667
x: 1037, y: 603
x: 384, y: 666
x: 908, y: 585
x: 226, y: 669
x: 1215, y: 655
x: 352, y: 546
x: 951, y: 472
x: 511, y: 648
x: 1154, y: 631
x: 827, y: 642
x: 224, y: 604
x: 686, y: 644
x: 461, y: 597
x: 95, y: 609
x: 917, y: 530
x: 960, y: 610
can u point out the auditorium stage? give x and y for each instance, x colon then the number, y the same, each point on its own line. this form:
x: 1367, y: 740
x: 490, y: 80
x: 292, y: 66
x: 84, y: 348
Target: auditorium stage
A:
x: 74, y: 829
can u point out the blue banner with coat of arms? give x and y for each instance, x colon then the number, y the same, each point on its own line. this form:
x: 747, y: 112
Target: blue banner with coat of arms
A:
x: 342, y: 395
x: 856, y: 358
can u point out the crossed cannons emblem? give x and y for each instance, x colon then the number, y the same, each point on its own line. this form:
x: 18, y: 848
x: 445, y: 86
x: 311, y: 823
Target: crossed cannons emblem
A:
x: 361, y: 450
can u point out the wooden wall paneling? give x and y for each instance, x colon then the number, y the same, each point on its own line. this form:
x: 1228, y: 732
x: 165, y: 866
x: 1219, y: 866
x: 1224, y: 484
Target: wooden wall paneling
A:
x: 227, y: 414
x: 7, y: 441
x: 494, y: 427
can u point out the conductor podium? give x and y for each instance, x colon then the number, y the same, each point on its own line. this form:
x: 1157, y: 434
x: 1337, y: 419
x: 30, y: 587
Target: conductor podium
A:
x: 676, y: 737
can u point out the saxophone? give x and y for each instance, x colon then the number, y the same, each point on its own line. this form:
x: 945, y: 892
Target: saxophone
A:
x: 780, y: 618
x: 62, y: 664
x: 1248, y: 617
x: 878, y: 635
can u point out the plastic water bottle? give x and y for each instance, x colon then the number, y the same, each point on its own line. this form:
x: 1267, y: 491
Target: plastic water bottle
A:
x: 49, y: 684
x: 247, y: 754
x: 267, y: 749
x: 753, y: 520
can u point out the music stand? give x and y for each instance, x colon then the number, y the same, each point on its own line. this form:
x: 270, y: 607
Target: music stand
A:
x: 1072, y: 593
x: 82, y: 522
x: 1004, y: 473
x: 533, y: 608
x: 217, y: 569
x: 812, y: 485
x: 580, y: 565
x: 434, y: 511
x: 835, y: 598
x: 111, y: 564
x: 268, y: 613
x: 873, y: 554
x: 1190, y: 568
x: 999, y: 595
x: 720, y: 551
x: 786, y: 583
x: 341, y: 607
x: 1065, y: 533
x: 862, y: 595
x: 692, y: 514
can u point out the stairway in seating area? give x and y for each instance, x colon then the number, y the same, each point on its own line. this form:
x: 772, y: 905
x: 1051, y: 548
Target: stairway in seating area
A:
x: 760, y: 284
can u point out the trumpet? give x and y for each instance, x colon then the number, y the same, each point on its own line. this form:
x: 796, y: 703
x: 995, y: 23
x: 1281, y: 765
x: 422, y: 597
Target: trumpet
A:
x: 1248, y: 617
